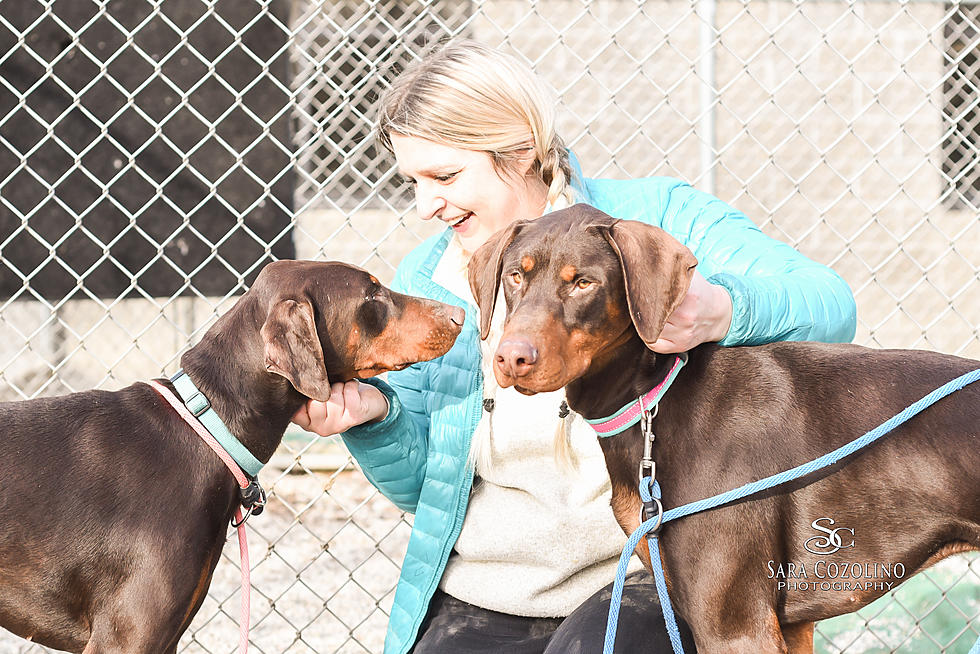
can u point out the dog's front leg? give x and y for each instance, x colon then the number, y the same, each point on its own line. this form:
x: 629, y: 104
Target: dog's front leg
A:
x: 717, y: 631
x: 799, y: 638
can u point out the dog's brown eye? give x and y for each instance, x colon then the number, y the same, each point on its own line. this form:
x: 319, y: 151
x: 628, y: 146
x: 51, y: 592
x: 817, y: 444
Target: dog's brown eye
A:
x: 516, y: 278
x: 583, y: 284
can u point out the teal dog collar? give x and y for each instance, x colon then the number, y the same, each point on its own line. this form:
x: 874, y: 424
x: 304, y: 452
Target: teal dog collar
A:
x: 199, y: 405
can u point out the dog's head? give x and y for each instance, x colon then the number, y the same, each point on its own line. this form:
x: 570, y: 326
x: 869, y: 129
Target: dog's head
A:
x: 577, y: 283
x: 326, y: 322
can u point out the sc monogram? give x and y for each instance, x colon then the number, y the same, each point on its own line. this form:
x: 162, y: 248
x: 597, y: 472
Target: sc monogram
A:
x: 830, y: 542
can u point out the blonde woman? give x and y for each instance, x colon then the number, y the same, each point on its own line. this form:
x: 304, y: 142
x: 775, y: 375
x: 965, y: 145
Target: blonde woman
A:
x: 511, y: 551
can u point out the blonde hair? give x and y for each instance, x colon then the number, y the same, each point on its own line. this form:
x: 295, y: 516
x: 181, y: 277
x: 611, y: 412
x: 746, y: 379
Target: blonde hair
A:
x: 469, y: 96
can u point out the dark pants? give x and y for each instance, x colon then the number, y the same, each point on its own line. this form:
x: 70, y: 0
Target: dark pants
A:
x: 455, y: 627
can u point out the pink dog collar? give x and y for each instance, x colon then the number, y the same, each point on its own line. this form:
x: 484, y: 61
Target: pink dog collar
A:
x: 630, y: 414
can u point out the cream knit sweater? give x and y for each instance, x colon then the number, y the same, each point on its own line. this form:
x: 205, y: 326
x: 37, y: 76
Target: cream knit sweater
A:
x: 539, y: 537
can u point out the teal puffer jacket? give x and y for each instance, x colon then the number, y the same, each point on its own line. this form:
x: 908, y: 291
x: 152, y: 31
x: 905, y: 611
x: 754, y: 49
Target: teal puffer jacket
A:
x: 417, y: 456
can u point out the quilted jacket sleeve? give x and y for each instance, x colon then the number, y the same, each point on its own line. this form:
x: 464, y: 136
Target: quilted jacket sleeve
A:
x: 777, y: 293
x: 392, y: 453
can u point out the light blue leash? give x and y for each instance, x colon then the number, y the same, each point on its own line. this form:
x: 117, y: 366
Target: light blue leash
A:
x: 653, y: 524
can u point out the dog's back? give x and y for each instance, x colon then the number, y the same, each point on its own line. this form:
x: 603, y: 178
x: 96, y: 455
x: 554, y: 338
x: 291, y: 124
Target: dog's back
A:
x: 737, y: 415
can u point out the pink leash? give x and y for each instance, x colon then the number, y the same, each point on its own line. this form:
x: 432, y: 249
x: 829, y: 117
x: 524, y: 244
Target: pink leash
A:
x: 239, y: 522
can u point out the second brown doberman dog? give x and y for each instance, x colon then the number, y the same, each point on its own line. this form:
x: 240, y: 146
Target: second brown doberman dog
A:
x: 586, y: 294
x: 113, y: 512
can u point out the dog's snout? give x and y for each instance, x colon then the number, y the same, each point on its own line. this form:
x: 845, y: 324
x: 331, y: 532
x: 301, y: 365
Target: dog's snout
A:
x: 516, y: 357
x: 445, y: 312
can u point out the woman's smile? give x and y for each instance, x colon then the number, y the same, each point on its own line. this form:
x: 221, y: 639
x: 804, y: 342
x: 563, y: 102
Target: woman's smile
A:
x: 463, y: 189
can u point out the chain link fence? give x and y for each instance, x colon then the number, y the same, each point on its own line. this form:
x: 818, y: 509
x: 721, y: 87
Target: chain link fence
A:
x: 153, y: 155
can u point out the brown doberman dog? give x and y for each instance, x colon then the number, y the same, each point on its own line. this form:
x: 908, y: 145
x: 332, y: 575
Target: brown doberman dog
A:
x: 586, y: 294
x: 113, y: 512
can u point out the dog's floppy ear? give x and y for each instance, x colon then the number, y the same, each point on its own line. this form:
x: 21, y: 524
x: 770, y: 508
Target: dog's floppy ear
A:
x: 657, y: 272
x: 292, y: 348
x: 484, y: 272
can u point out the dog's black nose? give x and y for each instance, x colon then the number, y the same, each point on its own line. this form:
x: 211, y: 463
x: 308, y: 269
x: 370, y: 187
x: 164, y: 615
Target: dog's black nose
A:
x: 516, y: 357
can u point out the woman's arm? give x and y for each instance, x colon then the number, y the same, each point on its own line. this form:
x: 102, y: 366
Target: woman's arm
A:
x: 392, y: 453
x: 388, y: 440
x: 704, y: 316
x: 776, y: 293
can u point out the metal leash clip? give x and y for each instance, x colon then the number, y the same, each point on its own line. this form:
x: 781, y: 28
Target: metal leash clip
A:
x: 253, y: 500
x: 648, y: 467
x: 652, y: 508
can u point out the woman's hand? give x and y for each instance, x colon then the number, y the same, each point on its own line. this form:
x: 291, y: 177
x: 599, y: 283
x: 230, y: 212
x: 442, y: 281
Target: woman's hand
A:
x: 704, y: 316
x: 351, y: 403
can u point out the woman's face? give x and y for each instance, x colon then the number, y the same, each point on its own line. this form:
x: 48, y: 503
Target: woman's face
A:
x: 463, y: 189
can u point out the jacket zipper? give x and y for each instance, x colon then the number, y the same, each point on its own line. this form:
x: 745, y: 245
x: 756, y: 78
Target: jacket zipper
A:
x: 457, y: 526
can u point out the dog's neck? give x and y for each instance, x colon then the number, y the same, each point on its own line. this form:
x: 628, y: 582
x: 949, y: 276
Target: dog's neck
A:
x: 228, y: 366
x: 628, y: 372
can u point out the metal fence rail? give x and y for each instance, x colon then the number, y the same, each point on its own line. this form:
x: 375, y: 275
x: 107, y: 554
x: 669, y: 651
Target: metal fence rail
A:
x: 153, y: 155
